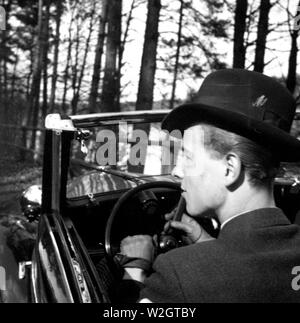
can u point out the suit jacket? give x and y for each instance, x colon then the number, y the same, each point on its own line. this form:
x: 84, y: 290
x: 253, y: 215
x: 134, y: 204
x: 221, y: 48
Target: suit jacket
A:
x: 251, y: 261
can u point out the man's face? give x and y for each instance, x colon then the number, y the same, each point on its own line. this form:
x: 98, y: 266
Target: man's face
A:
x: 202, y: 175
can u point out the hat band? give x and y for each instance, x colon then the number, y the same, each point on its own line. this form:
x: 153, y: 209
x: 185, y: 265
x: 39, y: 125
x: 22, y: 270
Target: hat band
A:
x: 274, y: 119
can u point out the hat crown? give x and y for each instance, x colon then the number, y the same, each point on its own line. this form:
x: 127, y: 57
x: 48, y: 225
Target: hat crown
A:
x: 247, y: 103
x: 251, y: 94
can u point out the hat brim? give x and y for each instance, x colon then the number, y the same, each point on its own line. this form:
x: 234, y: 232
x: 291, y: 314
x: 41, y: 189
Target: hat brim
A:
x: 282, y: 144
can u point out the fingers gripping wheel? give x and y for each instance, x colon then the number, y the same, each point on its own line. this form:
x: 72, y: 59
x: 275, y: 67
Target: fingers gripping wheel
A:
x: 167, y: 240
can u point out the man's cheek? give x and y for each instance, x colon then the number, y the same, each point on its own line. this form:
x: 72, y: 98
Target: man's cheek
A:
x: 195, y: 170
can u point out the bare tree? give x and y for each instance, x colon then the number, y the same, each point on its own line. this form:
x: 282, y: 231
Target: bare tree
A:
x: 56, y: 53
x: 291, y: 80
x: 13, y: 79
x: 179, y: 35
x: 69, y: 51
x: 79, y: 79
x: 36, y: 77
x: 45, y: 47
x: 123, y: 43
x: 262, y: 33
x: 239, y: 49
x: 75, y: 63
x: 111, y: 74
x: 4, y: 52
x: 98, y: 58
x: 148, y: 67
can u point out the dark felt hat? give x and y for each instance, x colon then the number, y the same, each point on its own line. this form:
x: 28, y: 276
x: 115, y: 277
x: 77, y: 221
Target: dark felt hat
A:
x: 248, y: 103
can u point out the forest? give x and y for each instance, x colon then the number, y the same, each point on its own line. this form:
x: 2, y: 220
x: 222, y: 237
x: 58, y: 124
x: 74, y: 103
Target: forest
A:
x: 76, y: 57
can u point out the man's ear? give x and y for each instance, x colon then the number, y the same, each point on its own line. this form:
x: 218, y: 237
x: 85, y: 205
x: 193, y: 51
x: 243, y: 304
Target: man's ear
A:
x: 233, y: 170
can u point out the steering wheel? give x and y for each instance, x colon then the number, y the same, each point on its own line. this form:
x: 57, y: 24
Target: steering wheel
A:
x: 122, y: 200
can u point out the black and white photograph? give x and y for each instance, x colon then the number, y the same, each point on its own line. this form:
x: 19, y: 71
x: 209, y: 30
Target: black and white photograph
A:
x: 149, y: 154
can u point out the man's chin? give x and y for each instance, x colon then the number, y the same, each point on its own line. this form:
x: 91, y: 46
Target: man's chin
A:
x: 204, y: 213
x: 193, y: 212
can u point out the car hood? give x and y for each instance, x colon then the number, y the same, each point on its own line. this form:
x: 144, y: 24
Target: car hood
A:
x: 96, y: 182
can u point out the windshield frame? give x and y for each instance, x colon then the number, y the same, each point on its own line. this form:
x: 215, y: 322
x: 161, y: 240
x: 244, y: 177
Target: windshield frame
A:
x: 66, y: 130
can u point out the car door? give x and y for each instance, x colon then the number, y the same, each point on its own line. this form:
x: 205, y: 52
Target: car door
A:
x: 61, y: 270
x: 50, y: 279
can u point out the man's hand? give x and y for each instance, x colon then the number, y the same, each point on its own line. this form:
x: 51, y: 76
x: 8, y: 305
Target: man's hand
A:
x: 139, y: 246
x: 192, y: 231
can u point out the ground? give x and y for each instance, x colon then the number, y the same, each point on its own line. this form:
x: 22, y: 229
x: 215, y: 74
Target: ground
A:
x: 17, y: 236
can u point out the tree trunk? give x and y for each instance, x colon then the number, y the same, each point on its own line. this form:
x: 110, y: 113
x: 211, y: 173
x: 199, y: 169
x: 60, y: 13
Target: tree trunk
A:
x: 13, y: 80
x: 29, y: 75
x: 98, y: 59
x: 56, y: 52
x: 110, y: 82
x: 36, y: 78
x: 75, y: 67
x: 122, y: 48
x: 45, y: 60
x: 179, y: 34
x: 239, y: 49
x: 42, y: 67
x: 1, y: 82
x: 4, y: 100
x: 147, y: 75
x: 291, y: 80
x: 148, y: 67
x: 291, y: 77
x: 262, y: 33
x: 66, y: 72
x: 81, y: 74
x: 4, y: 56
x: 5, y: 78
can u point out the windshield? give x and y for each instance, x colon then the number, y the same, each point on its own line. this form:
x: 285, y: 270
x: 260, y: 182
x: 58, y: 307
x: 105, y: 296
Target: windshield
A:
x: 141, y: 150
x: 100, y: 163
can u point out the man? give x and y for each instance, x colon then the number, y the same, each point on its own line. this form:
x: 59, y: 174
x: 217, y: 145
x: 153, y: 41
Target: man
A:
x: 235, y: 135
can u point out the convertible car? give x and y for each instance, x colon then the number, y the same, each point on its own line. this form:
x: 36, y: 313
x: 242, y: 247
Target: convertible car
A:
x: 105, y: 176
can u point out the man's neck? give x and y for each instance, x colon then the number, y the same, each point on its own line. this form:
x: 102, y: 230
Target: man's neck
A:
x: 245, y: 200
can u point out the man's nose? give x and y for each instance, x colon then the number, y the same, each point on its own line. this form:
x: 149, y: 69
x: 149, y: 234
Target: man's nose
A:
x: 177, y: 172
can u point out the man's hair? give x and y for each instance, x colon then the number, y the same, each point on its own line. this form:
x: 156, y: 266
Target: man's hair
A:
x: 259, y: 163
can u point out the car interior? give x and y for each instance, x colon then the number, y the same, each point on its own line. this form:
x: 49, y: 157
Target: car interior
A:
x: 141, y: 213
